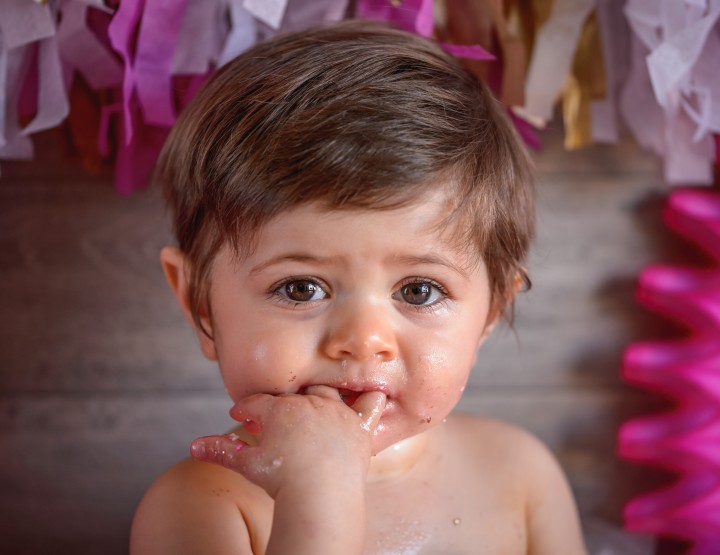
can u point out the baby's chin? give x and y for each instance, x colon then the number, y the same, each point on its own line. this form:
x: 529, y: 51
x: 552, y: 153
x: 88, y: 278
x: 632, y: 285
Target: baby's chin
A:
x: 394, y: 458
x: 387, y: 441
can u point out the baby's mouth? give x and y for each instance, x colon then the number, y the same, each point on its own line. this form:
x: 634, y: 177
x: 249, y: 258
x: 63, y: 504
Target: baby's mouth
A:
x: 349, y: 396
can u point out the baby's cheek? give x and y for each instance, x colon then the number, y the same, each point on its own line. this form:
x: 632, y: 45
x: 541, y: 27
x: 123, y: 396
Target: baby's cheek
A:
x: 444, y: 377
x: 260, y: 366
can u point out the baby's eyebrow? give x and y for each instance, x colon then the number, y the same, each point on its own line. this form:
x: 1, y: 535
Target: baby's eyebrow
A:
x: 430, y: 258
x: 399, y: 259
x: 294, y: 257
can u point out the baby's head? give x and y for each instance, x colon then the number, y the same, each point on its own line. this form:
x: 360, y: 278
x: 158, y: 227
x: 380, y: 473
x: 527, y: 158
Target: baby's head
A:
x: 351, y: 116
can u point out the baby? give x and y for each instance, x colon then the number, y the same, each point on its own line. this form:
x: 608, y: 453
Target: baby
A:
x: 353, y: 211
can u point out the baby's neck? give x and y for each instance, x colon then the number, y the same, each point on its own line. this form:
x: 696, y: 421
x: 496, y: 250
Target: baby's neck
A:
x: 399, y: 458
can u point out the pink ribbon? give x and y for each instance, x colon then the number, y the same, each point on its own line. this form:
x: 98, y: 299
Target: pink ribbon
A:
x: 121, y: 31
x: 82, y: 51
x: 156, y: 44
x: 409, y: 15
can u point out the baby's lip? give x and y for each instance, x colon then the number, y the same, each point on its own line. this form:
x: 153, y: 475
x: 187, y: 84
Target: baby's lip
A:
x: 351, y: 394
x: 350, y: 398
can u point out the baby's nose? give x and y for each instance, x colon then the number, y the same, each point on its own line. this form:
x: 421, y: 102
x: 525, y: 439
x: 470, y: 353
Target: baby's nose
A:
x: 361, y: 331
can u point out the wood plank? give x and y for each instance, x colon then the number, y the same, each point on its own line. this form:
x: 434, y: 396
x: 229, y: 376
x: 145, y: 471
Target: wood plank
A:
x: 80, y: 276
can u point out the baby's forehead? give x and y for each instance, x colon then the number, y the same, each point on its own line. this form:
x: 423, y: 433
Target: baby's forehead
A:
x: 429, y: 223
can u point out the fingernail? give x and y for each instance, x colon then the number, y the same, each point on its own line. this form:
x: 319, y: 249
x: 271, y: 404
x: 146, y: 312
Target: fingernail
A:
x: 197, y: 450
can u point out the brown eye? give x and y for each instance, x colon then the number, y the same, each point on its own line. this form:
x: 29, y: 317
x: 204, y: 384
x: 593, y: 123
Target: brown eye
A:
x: 416, y: 293
x: 302, y: 291
x: 421, y: 293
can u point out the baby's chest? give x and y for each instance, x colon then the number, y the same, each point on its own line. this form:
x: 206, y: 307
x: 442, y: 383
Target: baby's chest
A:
x: 430, y: 517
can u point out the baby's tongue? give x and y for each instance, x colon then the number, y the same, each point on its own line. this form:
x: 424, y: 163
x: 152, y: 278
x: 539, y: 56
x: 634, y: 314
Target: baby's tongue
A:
x: 348, y: 396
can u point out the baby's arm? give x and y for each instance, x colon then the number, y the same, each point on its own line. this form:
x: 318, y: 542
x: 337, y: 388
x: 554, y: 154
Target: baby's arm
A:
x: 553, y: 522
x: 189, y: 512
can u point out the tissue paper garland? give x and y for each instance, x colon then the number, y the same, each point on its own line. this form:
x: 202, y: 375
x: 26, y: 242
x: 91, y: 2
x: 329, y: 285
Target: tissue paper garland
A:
x: 417, y: 16
x: 552, y: 57
x: 460, y: 23
x: 686, y: 439
x: 675, y: 48
x: 585, y: 83
x: 268, y: 11
x: 45, y: 48
x: 409, y: 15
x: 614, y: 40
x: 134, y: 67
x: 28, y: 43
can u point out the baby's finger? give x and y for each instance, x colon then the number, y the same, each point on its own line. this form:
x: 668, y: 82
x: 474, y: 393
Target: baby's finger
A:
x: 249, y: 411
x: 221, y: 450
x: 324, y: 391
x: 370, y: 407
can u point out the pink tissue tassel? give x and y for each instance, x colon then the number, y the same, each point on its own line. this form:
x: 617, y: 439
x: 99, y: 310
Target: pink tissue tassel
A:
x: 685, y: 439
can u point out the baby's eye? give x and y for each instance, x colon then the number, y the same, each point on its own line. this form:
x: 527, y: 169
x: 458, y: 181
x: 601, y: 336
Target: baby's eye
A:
x: 301, y: 291
x: 419, y: 293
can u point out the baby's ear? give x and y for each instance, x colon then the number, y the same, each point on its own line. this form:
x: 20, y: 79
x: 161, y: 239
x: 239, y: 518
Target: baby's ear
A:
x: 497, y: 308
x: 493, y: 317
x: 177, y: 272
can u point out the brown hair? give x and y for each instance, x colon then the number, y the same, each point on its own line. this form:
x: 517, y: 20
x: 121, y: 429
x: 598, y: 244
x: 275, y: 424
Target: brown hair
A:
x: 355, y: 116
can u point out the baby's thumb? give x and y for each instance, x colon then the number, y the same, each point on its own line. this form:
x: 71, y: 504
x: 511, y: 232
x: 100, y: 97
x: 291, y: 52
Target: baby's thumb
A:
x: 370, y: 407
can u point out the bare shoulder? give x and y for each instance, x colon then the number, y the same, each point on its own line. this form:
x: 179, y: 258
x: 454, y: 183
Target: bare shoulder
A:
x: 497, y: 441
x: 487, y: 428
x: 504, y: 450
x: 515, y: 456
x: 200, y: 508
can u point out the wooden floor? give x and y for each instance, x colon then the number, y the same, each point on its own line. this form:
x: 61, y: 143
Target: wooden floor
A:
x: 102, y: 385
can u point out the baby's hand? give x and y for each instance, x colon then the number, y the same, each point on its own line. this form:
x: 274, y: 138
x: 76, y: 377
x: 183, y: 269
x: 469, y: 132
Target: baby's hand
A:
x: 304, y: 440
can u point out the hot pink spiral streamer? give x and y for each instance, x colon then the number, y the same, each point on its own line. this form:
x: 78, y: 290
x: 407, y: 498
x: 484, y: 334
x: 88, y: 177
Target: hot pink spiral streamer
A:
x: 685, y: 439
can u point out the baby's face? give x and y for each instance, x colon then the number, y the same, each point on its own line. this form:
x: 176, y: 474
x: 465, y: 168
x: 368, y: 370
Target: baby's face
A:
x: 355, y: 300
